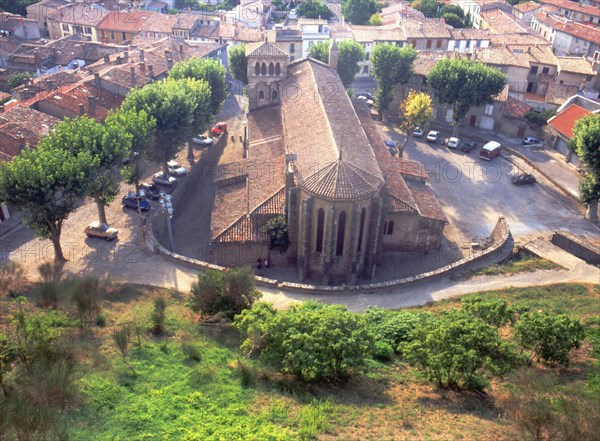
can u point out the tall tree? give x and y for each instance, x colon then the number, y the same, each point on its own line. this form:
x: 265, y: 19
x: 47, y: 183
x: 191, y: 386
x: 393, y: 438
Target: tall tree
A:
x: 141, y: 128
x: 461, y: 83
x: 391, y: 66
x: 173, y: 105
x: 417, y: 111
x: 110, y: 144
x: 585, y: 142
x: 349, y: 54
x: 359, y: 12
x: 320, y: 51
x: 238, y: 63
x: 45, y: 184
x: 314, y: 9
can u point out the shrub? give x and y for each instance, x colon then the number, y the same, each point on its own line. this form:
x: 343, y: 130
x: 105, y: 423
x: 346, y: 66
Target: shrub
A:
x: 51, y: 272
x: 383, y: 351
x: 216, y: 291
x: 493, y: 312
x: 11, y: 276
x: 159, y: 316
x: 48, y: 295
x: 549, y: 338
x: 539, y: 118
x: 191, y: 351
x: 85, y: 293
x: 311, y: 340
x: 101, y: 320
x: 394, y: 328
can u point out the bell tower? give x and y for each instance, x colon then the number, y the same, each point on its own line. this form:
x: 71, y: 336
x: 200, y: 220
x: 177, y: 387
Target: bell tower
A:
x: 267, y: 66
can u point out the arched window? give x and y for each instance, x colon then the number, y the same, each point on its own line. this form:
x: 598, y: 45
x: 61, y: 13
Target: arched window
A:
x: 339, y: 247
x: 390, y: 227
x: 261, y: 95
x: 277, y: 69
x: 257, y: 69
x: 320, y: 229
x: 263, y: 69
x: 274, y: 95
x: 271, y: 69
x: 363, y: 215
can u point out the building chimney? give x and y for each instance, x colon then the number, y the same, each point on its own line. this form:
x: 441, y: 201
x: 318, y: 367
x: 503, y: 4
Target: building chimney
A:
x: 142, y: 55
x: 132, y: 71
x: 420, y: 26
x: 143, y: 68
x: 37, y: 59
x: 181, y: 48
x: 333, y: 55
x: 1, y: 108
x: 107, y: 59
x: 151, y: 71
x: 81, y: 109
x: 119, y: 60
x: 92, y: 105
x: 169, y: 57
x: 45, y: 129
x: 126, y: 55
x: 97, y: 80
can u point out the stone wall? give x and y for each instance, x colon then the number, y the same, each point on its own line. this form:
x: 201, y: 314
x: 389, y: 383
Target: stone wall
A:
x: 587, y: 251
x: 500, y: 245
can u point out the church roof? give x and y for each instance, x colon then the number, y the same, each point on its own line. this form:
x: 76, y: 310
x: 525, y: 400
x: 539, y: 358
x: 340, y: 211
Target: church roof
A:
x: 334, y: 157
x: 264, y: 49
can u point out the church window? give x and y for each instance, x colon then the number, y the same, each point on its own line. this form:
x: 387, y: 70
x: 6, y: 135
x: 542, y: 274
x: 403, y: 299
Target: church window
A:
x: 363, y: 215
x: 261, y: 95
x: 271, y: 69
x: 277, y: 69
x: 263, y: 69
x: 274, y: 95
x: 320, y: 229
x: 390, y: 227
x: 257, y: 69
x: 339, y: 248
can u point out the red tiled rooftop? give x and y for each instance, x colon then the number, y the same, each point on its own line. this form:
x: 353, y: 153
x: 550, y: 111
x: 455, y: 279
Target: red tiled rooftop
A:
x: 125, y: 21
x: 565, y: 121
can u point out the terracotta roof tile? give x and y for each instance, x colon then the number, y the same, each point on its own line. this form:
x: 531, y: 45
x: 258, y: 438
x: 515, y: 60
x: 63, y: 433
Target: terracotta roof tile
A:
x: 565, y: 121
x: 469, y: 34
x: 367, y: 34
x: 527, y: 6
x: 573, y: 6
x: 521, y: 38
x: 426, y: 28
x: 501, y: 22
x: 569, y: 27
x: 21, y: 126
x: 265, y: 49
x: 160, y: 23
x: 125, y: 21
x: 575, y: 65
x: 78, y: 14
x: 558, y: 93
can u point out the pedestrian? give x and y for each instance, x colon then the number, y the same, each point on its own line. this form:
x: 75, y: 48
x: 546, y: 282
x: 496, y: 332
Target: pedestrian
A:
x: 267, y: 263
x: 259, y: 263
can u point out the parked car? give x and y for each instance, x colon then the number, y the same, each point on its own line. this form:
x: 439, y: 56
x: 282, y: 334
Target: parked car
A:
x: 468, y: 146
x: 452, y: 143
x: 433, y: 136
x: 131, y: 200
x: 102, y: 231
x: 202, y: 140
x: 529, y: 140
x: 293, y: 14
x: 366, y: 95
x: 150, y: 190
x: 490, y: 150
x: 523, y: 179
x: 369, y: 102
x: 219, y: 129
x: 175, y: 168
x: 418, y: 132
x: 161, y: 179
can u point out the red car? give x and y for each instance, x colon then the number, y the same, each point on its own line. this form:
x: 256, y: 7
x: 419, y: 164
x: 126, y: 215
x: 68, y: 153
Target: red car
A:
x: 219, y: 128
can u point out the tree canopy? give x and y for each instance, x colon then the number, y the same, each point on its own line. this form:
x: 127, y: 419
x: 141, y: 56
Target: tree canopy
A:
x: 585, y: 142
x: 315, y: 10
x: 359, y: 12
x: 461, y: 83
x: 320, y: 51
x: 416, y: 111
x: 349, y: 54
x: 391, y: 65
x: 238, y: 63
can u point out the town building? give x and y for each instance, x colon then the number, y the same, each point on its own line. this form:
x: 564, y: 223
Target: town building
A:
x: 19, y: 26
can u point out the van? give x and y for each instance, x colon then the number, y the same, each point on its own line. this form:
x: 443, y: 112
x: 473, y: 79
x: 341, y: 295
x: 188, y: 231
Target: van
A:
x: 490, y: 150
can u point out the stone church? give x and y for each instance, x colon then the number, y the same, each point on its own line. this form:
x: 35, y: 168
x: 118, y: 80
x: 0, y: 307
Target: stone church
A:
x: 315, y: 155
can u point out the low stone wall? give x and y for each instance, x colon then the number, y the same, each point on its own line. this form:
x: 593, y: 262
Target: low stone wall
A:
x: 577, y: 247
x: 500, y: 246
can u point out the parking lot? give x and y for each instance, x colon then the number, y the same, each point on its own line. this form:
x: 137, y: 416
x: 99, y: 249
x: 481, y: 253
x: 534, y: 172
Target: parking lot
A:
x: 474, y: 192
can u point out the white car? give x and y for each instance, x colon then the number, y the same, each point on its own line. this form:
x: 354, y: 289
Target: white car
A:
x: 530, y: 140
x: 175, y: 168
x: 161, y: 179
x: 203, y: 140
x: 433, y: 136
x: 293, y: 14
x: 367, y: 100
x: 418, y: 132
x: 453, y: 143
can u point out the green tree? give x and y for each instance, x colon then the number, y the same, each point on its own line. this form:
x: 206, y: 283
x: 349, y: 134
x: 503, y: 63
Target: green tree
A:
x: 391, y: 65
x: 358, y: 12
x: 453, y: 20
x: 8, y: 356
x: 238, y: 63
x: 159, y: 316
x: 461, y: 83
x: 550, y: 338
x: 314, y: 10
x: 320, y: 51
x: 17, y: 79
x: 231, y: 291
x: 277, y: 228
x: 394, y: 328
x: 122, y: 337
x: 458, y: 350
x: 495, y: 313
x: 46, y: 184
x: 585, y: 142
x: 349, y: 54
x: 141, y: 128
x: 375, y: 20
x: 85, y: 293
x: 311, y: 340
x: 173, y: 104
x: 110, y: 144
x: 416, y: 111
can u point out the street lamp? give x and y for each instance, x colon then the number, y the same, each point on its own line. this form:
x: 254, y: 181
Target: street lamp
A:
x: 167, y: 206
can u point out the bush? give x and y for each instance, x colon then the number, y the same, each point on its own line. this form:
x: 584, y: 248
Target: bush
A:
x: 495, y: 313
x: 48, y: 295
x: 383, y: 351
x: 100, y: 320
x: 394, y: 328
x: 314, y: 10
x: 310, y: 340
x: 51, y: 272
x: 231, y: 291
x: 191, y: 351
x: 11, y: 276
x: 159, y: 316
x: 549, y: 338
x: 85, y: 293
x: 539, y: 118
